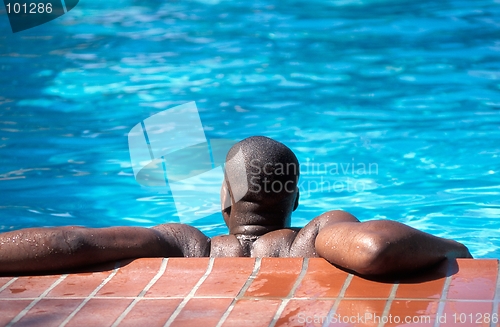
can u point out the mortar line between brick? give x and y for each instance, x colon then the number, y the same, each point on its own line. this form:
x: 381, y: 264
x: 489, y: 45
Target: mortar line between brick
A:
x: 339, y: 298
x: 91, y: 295
x: 494, y: 311
x: 240, y: 294
x: 8, y: 283
x: 442, y: 299
x: 153, y: 280
x: 35, y: 301
x: 191, y: 294
x: 388, y: 304
x: 284, y: 302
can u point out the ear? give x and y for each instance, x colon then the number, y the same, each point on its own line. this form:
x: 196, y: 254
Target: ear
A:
x: 225, y: 201
x: 296, y: 204
x: 225, y: 196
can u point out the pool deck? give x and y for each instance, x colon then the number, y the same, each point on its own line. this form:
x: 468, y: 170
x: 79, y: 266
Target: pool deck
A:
x: 251, y: 292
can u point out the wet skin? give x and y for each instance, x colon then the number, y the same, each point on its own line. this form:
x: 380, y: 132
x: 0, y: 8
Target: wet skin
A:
x: 379, y: 247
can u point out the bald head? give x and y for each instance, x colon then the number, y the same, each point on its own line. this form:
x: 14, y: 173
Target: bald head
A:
x: 262, y: 176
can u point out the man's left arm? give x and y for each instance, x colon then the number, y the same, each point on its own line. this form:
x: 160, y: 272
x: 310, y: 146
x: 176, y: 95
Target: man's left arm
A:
x: 61, y: 248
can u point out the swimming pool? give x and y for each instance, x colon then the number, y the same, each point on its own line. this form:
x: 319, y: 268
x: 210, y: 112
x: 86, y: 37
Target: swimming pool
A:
x: 408, y: 90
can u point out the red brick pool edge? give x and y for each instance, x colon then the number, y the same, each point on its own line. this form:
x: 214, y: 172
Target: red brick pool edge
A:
x: 251, y: 292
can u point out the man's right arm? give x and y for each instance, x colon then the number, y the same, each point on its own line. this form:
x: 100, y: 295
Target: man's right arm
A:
x: 384, y: 247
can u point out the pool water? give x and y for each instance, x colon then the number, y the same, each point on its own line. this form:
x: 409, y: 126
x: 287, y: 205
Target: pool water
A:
x: 406, y: 92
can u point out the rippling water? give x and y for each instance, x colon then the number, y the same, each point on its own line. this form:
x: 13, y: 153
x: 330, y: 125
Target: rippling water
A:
x: 409, y: 89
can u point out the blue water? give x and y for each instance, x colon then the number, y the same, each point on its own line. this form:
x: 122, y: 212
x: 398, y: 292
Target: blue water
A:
x: 409, y: 89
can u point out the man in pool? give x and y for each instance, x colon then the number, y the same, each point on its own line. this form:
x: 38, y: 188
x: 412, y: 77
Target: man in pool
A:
x: 257, y: 213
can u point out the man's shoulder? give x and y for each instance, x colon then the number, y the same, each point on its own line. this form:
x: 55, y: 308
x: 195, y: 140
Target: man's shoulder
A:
x: 331, y: 217
x: 304, y: 243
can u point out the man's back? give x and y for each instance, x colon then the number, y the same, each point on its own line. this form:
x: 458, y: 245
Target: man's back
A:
x: 284, y: 242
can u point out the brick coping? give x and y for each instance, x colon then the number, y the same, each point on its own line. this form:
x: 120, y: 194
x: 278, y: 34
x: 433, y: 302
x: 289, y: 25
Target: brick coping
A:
x: 251, y: 292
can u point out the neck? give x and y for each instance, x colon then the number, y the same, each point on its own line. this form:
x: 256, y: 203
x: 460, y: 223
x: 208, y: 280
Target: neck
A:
x: 256, y: 222
x: 256, y: 230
